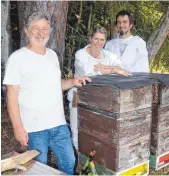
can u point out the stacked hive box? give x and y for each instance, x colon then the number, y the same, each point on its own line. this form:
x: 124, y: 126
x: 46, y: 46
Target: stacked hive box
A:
x: 115, y: 120
x: 160, y: 127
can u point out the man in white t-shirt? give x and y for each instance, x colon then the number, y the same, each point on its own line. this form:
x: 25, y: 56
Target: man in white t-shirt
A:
x: 34, y: 96
x: 130, y: 49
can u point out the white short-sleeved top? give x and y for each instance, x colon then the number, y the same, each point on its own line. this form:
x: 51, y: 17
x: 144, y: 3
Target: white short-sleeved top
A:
x: 40, y: 95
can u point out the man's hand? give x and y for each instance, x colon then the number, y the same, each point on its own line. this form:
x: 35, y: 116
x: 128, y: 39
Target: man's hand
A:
x: 21, y: 135
x: 80, y: 81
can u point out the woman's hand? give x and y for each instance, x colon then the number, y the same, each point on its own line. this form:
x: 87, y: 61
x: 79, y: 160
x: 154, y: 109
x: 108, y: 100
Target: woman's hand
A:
x: 120, y: 71
x: 103, y: 69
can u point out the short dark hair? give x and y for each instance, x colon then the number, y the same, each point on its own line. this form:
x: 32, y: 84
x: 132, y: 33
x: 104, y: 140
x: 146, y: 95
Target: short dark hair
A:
x: 128, y: 13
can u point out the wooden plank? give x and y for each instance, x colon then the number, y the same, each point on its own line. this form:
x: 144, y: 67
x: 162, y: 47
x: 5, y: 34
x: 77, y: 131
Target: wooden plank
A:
x: 111, y: 99
x: 121, y: 131
x: 33, y: 168
x: 113, y: 157
x: 160, y: 142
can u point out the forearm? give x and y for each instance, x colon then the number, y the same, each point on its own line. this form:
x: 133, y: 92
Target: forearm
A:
x: 67, y: 84
x: 110, y: 69
x: 107, y: 70
x: 13, y: 107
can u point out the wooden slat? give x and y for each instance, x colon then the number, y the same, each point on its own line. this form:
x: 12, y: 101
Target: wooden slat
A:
x: 128, y: 127
x: 111, y: 99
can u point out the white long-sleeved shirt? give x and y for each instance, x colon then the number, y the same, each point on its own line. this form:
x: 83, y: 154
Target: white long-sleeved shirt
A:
x: 134, y: 56
x: 84, y: 62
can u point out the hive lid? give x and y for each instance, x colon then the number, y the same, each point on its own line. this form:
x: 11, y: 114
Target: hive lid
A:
x: 132, y: 82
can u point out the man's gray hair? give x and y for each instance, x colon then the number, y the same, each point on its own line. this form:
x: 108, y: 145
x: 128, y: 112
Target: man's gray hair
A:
x: 36, y: 16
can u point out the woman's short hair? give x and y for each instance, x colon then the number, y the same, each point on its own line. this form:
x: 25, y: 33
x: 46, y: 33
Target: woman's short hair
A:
x: 99, y: 29
x: 36, y: 16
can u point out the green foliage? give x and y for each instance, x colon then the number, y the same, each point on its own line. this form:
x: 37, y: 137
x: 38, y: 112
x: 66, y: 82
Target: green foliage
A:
x: 147, y: 16
x: 161, y: 62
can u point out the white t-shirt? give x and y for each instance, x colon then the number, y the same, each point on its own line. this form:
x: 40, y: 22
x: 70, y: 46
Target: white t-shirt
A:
x: 123, y: 43
x: 40, y: 95
x: 132, y: 52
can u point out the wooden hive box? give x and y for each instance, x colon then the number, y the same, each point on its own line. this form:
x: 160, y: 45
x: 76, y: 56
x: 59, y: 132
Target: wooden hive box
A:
x: 160, y: 142
x: 160, y: 108
x: 120, y: 143
x: 128, y: 127
x: 119, y: 95
x: 115, y: 119
x: 160, y: 120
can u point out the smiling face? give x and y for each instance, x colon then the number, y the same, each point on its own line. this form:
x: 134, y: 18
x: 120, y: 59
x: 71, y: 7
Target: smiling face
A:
x: 123, y: 24
x: 98, y: 40
x: 38, y: 32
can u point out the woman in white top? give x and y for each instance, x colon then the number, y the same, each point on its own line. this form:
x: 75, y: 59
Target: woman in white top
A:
x: 93, y: 60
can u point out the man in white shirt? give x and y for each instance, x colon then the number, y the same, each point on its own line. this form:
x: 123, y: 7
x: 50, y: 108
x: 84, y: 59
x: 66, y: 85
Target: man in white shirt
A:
x: 34, y: 96
x: 130, y: 49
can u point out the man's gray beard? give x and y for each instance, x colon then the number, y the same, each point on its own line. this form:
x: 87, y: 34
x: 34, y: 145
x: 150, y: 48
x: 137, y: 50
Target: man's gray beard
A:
x: 123, y: 33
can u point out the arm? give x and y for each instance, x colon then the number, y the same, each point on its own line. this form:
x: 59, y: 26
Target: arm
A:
x: 78, y: 81
x: 67, y: 84
x: 114, y: 65
x: 111, y: 69
x: 13, y: 111
x: 82, y: 65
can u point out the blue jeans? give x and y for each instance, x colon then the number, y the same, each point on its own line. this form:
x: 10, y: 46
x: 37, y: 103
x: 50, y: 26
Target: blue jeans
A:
x: 58, y: 139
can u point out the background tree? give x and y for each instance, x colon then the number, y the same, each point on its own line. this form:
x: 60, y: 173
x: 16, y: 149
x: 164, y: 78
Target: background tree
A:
x: 6, y: 36
x: 149, y: 17
x: 58, y: 14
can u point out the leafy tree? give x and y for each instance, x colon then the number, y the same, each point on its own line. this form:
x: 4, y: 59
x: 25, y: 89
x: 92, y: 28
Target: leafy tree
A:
x: 148, y: 17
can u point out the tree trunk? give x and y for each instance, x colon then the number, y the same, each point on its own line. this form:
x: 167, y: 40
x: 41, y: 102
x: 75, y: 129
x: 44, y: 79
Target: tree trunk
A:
x: 5, y: 32
x: 58, y: 14
x: 90, y: 17
x: 6, y: 44
x: 158, y: 36
x: 80, y: 12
